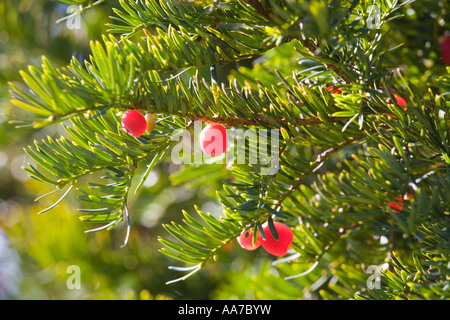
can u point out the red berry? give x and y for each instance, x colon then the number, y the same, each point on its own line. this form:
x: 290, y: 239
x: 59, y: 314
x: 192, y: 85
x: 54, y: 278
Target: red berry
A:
x: 245, y: 240
x: 134, y: 123
x: 445, y: 50
x: 333, y: 91
x: 214, y: 139
x: 281, y: 246
x: 396, y: 205
x: 400, y: 101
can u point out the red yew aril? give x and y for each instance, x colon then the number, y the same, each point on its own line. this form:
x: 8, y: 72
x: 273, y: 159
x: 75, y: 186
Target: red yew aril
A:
x: 332, y: 90
x: 134, y: 123
x: 445, y: 50
x: 245, y: 240
x: 281, y: 246
x: 397, y: 204
x: 400, y: 101
x: 214, y: 139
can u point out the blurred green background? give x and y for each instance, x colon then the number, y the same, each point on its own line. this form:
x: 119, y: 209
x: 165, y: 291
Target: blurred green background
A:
x: 36, y: 250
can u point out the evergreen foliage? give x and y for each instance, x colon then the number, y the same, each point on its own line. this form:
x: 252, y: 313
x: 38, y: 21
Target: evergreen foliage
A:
x: 343, y: 155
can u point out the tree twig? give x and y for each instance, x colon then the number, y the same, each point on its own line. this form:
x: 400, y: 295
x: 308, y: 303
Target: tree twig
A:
x: 261, y: 120
x: 319, y: 160
x: 255, y: 4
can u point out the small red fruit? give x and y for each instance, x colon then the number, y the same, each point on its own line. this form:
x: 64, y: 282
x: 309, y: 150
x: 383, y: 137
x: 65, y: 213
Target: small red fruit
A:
x: 245, y: 240
x: 400, y: 101
x: 396, y: 205
x: 445, y: 50
x: 333, y: 91
x: 134, y: 123
x: 281, y: 246
x: 214, y: 139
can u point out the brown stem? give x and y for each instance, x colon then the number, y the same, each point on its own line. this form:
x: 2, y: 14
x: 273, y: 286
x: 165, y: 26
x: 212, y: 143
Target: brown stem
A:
x: 261, y: 120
